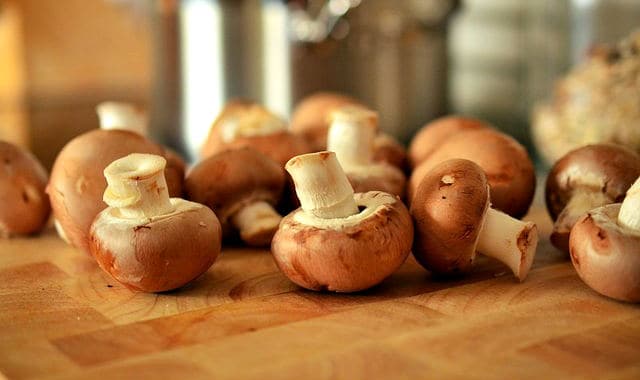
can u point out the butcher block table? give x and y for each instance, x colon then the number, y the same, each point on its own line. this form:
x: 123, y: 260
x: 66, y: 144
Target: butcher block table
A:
x: 61, y: 317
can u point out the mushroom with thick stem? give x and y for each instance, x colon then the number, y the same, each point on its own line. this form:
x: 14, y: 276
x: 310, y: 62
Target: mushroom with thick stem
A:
x: 351, y: 137
x: 76, y: 185
x: 586, y: 178
x: 605, y: 247
x: 507, y: 165
x: 247, y: 124
x: 339, y: 241
x: 241, y: 186
x: 311, y: 118
x: 453, y: 219
x: 146, y: 240
x: 432, y: 135
x: 24, y: 206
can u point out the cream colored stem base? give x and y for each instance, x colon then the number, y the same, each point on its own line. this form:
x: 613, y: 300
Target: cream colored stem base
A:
x: 510, y: 241
x: 257, y: 223
x: 351, y: 137
x: 629, y: 215
x: 578, y: 205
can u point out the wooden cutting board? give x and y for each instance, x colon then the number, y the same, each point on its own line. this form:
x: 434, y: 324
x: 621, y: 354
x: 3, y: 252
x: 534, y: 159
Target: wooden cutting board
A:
x: 62, y: 318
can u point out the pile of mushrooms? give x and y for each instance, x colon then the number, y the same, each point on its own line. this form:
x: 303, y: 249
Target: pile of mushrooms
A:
x: 76, y: 185
x: 339, y: 241
x: 507, y: 165
x: 146, y: 240
x: 24, y: 206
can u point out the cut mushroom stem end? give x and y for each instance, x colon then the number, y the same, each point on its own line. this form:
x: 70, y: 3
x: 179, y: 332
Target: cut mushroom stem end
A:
x: 119, y: 115
x: 137, y: 187
x: 322, y: 186
x: 629, y: 215
x: 257, y: 223
x: 509, y: 240
x: 352, y: 134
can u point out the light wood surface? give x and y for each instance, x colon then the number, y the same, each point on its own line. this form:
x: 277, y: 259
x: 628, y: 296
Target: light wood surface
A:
x: 62, y: 318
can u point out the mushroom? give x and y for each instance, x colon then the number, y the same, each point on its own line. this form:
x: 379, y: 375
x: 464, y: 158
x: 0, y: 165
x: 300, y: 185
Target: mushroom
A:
x: 242, y: 123
x: 241, y: 186
x: 312, y: 116
x: 431, y: 136
x: 146, y: 240
x: 605, y: 248
x: 586, y: 178
x: 76, y: 185
x: 339, y: 241
x: 24, y: 206
x: 351, y: 137
x: 507, y: 165
x: 453, y: 219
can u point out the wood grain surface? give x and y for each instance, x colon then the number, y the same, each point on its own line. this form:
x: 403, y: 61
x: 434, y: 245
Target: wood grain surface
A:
x: 61, y: 317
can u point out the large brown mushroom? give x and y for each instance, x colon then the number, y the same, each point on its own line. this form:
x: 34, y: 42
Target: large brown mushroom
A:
x: 24, y: 206
x: 453, y: 219
x: 351, y: 137
x: 339, y: 241
x: 76, y: 185
x: 146, y: 240
x: 312, y: 117
x: 586, y: 178
x: 509, y: 169
x: 243, y: 123
x: 431, y: 136
x: 605, y: 248
x: 241, y: 186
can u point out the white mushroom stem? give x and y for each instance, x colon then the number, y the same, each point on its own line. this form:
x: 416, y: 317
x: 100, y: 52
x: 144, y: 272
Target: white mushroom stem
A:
x: 137, y: 187
x: 322, y: 186
x: 629, y: 215
x: 255, y: 121
x: 126, y: 116
x: 351, y: 136
x: 256, y: 217
x: 509, y: 240
x: 581, y: 201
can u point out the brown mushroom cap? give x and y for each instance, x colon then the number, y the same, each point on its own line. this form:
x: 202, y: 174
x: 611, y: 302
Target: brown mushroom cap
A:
x: 174, y: 172
x: 24, y: 206
x: 160, y: 255
x: 310, y: 117
x: 232, y: 179
x: 508, y: 168
x: 448, y: 212
x: 605, y: 168
x: 377, y: 177
x: 606, y: 255
x: 387, y: 149
x: 279, y: 145
x: 431, y: 136
x: 77, y: 182
x: 344, y: 257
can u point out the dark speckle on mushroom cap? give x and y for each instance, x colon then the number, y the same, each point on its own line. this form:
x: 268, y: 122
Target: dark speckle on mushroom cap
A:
x: 448, y: 210
x: 232, y: 179
x: 606, y: 255
x: 608, y: 168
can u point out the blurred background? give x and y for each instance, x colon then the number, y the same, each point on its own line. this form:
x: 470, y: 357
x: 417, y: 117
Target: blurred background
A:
x: 412, y: 60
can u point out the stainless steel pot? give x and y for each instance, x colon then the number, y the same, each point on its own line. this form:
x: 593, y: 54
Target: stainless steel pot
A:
x: 390, y: 54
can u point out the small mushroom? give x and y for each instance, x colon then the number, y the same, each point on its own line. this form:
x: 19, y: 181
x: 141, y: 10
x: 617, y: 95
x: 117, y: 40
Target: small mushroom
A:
x: 351, y: 137
x: 24, y: 206
x: 431, y: 136
x: 76, y: 185
x: 146, y: 240
x: 453, y: 219
x: 241, y: 186
x: 507, y: 165
x: 312, y: 117
x: 586, y: 178
x: 605, y: 248
x: 339, y: 241
x: 242, y: 123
